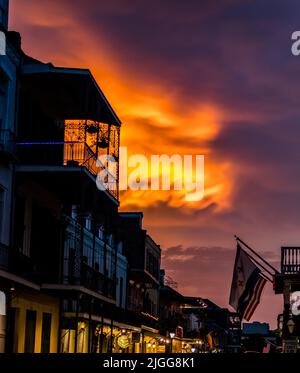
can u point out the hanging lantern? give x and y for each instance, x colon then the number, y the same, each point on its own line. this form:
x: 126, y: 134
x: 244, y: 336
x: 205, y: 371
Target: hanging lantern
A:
x: 92, y: 129
x: 102, y: 144
x: 291, y: 325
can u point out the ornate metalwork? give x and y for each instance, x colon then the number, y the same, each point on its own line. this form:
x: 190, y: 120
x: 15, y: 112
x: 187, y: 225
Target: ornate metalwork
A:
x: 86, y: 141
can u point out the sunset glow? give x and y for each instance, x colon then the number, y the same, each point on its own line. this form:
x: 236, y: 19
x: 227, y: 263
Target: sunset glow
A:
x: 181, y: 86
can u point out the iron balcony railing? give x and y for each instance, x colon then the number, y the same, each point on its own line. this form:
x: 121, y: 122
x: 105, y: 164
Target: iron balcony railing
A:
x: 66, y: 153
x: 80, y: 154
x: 84, y: 275
x: 14, y: 261
x: 290, y: 260
x: 84, y: 260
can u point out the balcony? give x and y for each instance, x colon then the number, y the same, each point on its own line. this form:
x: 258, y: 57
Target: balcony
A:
x: 15, y: 262
x: 84, y: 260
x: 66, y: 153
x: 290, y: 260
x: 83, y: 275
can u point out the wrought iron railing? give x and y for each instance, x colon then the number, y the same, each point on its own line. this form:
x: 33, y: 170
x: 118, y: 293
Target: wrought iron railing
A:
x: 14, y: 261
x: 88, y: 277
x: 80, y: 154
x: 67, y: 153
x: 84, y: 260
x: 290, y: 260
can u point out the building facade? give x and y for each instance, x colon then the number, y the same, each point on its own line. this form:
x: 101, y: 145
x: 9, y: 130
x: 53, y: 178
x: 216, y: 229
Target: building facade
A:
x: 143, y: 256
x: 287, y: 283
x: 9, y: 66
x: 62, y: 268
x: 76, y: 275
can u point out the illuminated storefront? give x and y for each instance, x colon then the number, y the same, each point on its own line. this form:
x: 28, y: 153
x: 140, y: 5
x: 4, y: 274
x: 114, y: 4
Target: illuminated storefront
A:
x: 33, y: 323
x: 97, y: 337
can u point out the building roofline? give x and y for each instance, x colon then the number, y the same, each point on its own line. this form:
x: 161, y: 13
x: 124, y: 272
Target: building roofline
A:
x: 37, y: 67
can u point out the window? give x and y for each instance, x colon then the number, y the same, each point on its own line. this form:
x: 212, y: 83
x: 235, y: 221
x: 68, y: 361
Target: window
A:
x: 30, y: 331
x: 87, y: 255
x: 88, y: 222
x: 46, y: 332
x: 74, y: 212
x: 120, y: 247
x: 99, y: 255
x: 101, y: 233
x: 121, y: 292
x: 152, y: 265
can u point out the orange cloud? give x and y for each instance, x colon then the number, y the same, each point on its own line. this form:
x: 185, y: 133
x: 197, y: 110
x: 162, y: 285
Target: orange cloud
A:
x: 154, y: 119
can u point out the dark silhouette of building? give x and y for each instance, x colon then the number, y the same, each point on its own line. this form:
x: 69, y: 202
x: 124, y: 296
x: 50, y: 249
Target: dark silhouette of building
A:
x: 287, y: 283
x: 143, y: 256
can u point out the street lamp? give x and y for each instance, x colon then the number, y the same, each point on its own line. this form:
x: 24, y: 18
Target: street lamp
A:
x: 291, y: 325
x: 193, y: 349
x: 172, y: 335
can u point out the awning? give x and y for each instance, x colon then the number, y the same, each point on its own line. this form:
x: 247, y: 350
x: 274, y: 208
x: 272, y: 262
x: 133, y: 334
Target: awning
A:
x: 67, y: 93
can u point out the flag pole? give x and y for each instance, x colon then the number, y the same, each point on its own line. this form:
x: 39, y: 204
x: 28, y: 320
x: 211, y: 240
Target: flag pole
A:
x: 255, y: 253
x: 266, y: 277
x: 260, y: 265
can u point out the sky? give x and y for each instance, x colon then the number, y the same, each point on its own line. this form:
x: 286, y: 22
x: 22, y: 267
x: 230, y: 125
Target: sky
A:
x: 194, y: 77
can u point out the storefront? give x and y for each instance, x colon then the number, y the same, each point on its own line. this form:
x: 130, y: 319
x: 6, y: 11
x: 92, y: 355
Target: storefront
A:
x: 150, y: 340
x: 33, y: 322
x: 98, y: 335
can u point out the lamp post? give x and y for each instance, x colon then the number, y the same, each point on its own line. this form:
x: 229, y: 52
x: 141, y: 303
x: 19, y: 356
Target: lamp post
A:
x: 172, y: 335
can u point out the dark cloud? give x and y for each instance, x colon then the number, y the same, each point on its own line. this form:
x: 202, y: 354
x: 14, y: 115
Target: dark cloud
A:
x: 207, y: 272
x: 237, y: 53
